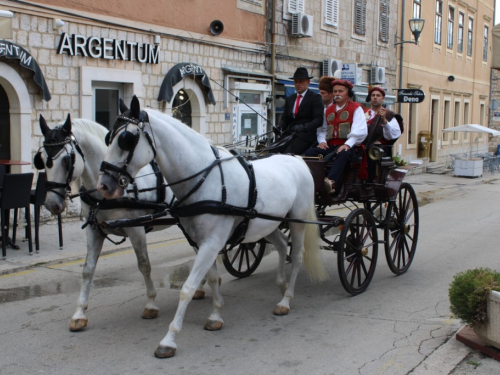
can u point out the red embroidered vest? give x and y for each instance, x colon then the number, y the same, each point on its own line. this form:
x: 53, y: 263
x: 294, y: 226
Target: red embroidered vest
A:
x: 339, y: 122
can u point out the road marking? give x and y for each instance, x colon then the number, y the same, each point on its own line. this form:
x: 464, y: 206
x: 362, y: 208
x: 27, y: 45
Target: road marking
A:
x: 17, y: 273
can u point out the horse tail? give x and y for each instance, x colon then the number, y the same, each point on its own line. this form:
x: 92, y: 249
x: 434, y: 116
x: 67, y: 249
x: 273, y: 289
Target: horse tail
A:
x: 313, y: 260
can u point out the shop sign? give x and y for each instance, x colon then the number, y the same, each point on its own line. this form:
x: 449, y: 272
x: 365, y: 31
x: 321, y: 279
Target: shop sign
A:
x: 107, y: 48
x: 410, y: 96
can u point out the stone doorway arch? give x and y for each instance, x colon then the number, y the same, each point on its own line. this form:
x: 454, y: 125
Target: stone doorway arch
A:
x: 20, y: 109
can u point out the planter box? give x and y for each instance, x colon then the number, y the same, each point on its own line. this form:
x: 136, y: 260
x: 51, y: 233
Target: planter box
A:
x: 469, y: 167
x: 490, y: 332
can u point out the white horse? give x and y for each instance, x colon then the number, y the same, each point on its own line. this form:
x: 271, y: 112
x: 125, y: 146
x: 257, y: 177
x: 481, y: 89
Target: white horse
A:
x: 76, y: 150
x: 285, y: 189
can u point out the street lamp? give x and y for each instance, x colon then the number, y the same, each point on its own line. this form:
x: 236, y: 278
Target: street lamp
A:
x: 416, y: 27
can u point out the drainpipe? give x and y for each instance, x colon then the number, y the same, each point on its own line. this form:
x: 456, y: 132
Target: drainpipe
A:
x: 401, y: 51
x: 273, y: 61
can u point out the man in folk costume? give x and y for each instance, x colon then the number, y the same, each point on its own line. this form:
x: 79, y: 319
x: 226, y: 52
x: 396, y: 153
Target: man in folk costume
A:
x: 303, y: 114
x: 380, y: 117
x: 345, y: 127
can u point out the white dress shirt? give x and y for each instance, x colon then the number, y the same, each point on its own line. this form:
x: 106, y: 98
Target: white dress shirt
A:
x: 300, y: 101
x: 391, y: 130
x: 359, y: 128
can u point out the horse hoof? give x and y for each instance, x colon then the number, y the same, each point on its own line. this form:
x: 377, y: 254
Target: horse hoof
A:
x: 213, y: 325
x: 77, y: 324
x: 199, y: 294
x: 164, y: 352
x: 281, y: 310
x: 149, y: 313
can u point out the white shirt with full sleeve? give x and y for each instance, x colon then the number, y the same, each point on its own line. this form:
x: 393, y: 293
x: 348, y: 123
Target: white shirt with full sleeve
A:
x: 391, y: 130
x: 359, y: 128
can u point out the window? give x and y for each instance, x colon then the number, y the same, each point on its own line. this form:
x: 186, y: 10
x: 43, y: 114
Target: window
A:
x: 439, y: 22
x: 469, y: 37
x: 295, y: 6
x: 384, y: 21
x: 485, y: 45
x: 416, y: 9
x: 446, y: 122
x: 451, y: 25
x: 412, y: 125
x: 456, y: 120
x: 360, y: 17
x: 482, y: 115
x: 466, y: 120
x: 332, y: 12
x: 460, y: 41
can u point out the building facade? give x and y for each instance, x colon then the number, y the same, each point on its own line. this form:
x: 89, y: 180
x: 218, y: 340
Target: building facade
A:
x: 452, y: 65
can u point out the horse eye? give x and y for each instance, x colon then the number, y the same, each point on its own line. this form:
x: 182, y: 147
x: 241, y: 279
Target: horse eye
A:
x: 126, y: 141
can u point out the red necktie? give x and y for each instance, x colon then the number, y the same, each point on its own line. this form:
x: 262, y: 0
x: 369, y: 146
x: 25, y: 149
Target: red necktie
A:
x: 297, y: 103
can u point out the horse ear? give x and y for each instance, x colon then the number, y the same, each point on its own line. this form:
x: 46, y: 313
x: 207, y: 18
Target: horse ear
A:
x: 123, y: 107
x: 67, y: 124
x: 135, y: 107
x: 43, y: 125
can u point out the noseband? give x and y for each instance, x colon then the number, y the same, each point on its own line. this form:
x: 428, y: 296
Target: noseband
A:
x: 52, y: 185
x: 127, y: 141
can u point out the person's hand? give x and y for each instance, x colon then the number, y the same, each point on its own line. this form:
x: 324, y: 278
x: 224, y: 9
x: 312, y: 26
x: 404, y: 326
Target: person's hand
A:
x: 382, y: 114
x: 299, y: 128
x: 343, y: 148
x: 323, y: 146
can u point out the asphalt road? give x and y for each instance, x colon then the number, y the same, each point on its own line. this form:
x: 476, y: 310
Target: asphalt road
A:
x: 400, y: 325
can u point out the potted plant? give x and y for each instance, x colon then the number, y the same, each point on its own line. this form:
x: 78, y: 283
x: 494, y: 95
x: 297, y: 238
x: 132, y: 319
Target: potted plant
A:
x: 475, y: 299
x: 399, y: 162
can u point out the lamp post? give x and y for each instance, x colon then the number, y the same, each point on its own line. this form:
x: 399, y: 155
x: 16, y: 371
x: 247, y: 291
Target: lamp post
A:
x: 416, y: 27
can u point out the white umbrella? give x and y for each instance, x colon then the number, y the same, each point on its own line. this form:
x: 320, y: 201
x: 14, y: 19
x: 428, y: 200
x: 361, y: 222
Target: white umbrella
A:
x: 472, y: 128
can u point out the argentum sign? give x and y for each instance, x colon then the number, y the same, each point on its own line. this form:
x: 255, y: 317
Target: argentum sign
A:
x: 107, y: 48
x: 410, y: 96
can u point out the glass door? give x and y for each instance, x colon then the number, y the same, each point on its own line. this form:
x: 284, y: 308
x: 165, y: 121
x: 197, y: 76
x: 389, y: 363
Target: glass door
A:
x: 249, y: 121
x: 106, y: 102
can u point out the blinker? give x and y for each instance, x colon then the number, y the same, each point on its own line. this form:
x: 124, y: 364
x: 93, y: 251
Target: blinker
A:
x: 127, y: 140
x: 106, y: 138
x: 38, y: 161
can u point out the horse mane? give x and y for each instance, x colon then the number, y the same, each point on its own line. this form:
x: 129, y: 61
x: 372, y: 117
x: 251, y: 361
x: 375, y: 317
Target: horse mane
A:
x: 87, y: 128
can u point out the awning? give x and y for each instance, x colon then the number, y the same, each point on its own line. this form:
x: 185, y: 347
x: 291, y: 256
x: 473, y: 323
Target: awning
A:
x: 290, y: 88
x: 13, y: 51
x: 495, y: 55
x: 177, y: 73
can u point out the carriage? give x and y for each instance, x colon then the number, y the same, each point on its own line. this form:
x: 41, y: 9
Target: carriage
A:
x: 242, y: 206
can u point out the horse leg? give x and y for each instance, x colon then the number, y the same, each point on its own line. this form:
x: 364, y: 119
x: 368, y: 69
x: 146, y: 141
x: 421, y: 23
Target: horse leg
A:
x: 94, y: 246
x: 215, y: 322
x: 204, y: 260
x: 200, y: 293
x: 297, y: 232
x: 137, y: 237
x: 279, y: 241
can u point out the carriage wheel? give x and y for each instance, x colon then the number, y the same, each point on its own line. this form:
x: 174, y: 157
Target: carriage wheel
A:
x: 401, y: 234
x: 241, y: 261
x: 357, y: 251
x: 378, y: 210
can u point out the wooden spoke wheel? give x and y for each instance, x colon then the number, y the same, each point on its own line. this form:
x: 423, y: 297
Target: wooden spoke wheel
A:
x: 242, y: 260
x: 402, y: 230
x: 378, y: 210
x: 357, y: 251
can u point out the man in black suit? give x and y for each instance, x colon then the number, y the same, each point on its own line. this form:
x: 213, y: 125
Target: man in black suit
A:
x: 302, y: 116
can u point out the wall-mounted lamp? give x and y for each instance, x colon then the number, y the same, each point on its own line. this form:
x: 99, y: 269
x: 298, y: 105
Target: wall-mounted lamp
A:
x: 57, y: 24
x: 416, y: 27
x: 6, y: 14
x: 157, y: 39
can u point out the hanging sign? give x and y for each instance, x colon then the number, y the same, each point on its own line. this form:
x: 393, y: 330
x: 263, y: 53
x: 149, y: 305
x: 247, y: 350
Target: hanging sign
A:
x: 107, y: 48
x: 410, y: 96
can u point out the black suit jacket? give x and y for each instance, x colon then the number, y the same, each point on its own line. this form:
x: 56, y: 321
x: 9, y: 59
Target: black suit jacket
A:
x: 310, y: 115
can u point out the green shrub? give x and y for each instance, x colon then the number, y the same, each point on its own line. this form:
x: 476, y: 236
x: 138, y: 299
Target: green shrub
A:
x: 469, y: 292
x: 399, y: 161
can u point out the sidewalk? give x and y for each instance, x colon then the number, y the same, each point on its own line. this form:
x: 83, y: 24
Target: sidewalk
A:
x: 429, y: 188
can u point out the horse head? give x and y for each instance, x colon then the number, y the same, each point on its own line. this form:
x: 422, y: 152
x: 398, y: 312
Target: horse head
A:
x: 60, y: 161
x: 130, y: 147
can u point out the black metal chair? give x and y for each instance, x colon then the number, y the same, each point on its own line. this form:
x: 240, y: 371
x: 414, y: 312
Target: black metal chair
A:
x: 15, y: 194
x: 37, y: 198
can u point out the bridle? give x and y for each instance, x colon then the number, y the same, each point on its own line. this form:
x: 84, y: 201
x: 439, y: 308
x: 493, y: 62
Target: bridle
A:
x: 127, y: 141
x: 70, y: 155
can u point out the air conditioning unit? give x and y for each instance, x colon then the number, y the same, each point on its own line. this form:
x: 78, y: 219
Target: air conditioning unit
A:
x: 330, y: 66
x: 378, y: 75
x: 302, y: 25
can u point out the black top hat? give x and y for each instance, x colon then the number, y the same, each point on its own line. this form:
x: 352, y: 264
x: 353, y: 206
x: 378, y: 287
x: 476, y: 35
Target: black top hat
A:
x: 301, y: 73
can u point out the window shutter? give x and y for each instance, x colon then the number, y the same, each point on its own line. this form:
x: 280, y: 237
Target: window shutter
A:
x: 384, y: 21
x: 295, y: 6
x: 332, y: 12
x: 360, y: 17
